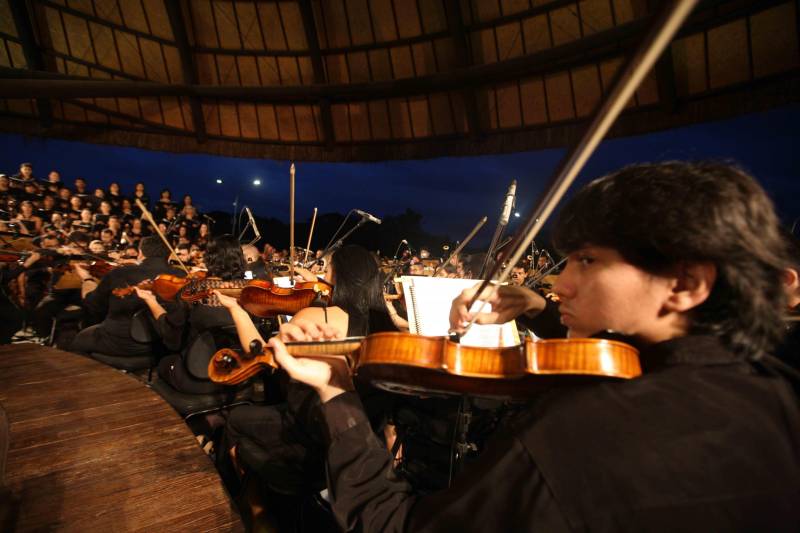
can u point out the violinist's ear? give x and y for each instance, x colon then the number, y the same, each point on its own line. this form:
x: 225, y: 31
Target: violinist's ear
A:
x: 692, y: 285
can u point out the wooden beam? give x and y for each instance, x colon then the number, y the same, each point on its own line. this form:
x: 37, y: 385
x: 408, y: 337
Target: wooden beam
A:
x: 310, y: 28
x: 455, y: 23
x: 33, y: 54
x: 589, y: 50
x: 188, y: 67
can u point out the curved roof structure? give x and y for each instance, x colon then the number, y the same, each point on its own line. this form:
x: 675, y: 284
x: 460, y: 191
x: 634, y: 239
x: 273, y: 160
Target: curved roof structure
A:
x: 350, y: 80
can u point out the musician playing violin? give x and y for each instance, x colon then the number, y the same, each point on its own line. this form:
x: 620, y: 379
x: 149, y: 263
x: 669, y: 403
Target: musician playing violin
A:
x: 288, y: 436
x: 683, y: 258
x: 112, y: 335
x: 179, y: 324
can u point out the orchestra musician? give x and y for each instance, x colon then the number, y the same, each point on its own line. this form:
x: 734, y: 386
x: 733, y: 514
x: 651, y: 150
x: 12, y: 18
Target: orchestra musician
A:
x: 256, y: 267
x: 518, y: 275
x: 685, y: 259
x: 179, y: 324
x: 112, y: 335
x: 290, y: 435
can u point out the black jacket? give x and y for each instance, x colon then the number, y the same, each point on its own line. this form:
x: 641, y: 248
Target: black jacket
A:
x: 700, y: 442
x: 115, y: 312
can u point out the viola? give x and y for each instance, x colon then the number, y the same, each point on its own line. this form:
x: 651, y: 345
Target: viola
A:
x: 413, y: 364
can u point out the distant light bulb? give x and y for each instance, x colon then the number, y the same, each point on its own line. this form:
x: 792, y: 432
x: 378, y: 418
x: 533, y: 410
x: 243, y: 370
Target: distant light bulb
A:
x: 516, y: 214
x: 256, y: 182
x: 219, y: 181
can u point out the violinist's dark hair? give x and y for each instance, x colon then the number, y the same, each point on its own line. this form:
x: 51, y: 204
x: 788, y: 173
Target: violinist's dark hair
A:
x: 357, y: 279
x: 153, y: 247
x: 224, y: 258
x: 660, y: 215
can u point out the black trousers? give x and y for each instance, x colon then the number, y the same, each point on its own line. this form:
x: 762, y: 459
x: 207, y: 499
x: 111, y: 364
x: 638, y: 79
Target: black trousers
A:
x: 98, y: 339
x: 282, y: 444
x: 50, y: 306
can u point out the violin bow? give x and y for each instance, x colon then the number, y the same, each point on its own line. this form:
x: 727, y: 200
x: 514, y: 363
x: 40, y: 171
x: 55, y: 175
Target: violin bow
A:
x: 310, y: 233
x: 152, y: 222
x: 461, y: 246
x: 291, y: 221
x: 667, y: 24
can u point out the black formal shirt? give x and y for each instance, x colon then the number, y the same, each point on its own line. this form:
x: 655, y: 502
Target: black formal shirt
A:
x: 700, y: 442
x: 119, y: 311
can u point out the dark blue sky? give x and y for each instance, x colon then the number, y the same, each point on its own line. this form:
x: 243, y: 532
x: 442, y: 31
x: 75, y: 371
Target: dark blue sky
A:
x: 451, y: 193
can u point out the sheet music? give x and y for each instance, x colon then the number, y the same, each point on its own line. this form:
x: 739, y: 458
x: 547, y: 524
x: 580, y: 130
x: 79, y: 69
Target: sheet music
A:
x: 428, y: 301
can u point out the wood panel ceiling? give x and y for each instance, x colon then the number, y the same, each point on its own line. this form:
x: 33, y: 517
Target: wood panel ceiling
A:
x: 345, y: 80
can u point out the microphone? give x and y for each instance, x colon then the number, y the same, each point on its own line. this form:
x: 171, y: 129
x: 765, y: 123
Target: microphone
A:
x: 509, y: 204
x: 252, y: 222
x: 369, y: 217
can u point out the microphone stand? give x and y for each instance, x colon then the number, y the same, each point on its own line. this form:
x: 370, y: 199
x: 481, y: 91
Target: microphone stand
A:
x: 498, y: 232
x: 339, y: 242
x: 666, y: 25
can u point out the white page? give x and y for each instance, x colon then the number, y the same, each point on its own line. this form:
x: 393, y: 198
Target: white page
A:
x: 428, y: 301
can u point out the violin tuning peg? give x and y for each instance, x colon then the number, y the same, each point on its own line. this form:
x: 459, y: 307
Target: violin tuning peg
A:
x: 256, y: 348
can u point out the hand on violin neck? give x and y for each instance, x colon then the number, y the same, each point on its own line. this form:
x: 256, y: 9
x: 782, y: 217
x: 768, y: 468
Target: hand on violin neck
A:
x: 305, y: 330
x: 302, y: 274
x: 228, y: 302
x: 144, y: 294
x: 507, y: 303
x: 314, y: 373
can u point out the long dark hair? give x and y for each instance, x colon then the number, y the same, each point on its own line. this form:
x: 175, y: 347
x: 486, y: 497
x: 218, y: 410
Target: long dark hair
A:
x: 357, y: 279
x: 659, y: 215
x: 224, y: 258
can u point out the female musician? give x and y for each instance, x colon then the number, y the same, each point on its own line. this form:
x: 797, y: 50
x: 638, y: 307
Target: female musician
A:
x: 183, y: 322
x: 187, y: 202
x: 686, y: 260
x: 202, y: 236
x: 289, y: 434
x: 164, y: 201
x: 29, y: 222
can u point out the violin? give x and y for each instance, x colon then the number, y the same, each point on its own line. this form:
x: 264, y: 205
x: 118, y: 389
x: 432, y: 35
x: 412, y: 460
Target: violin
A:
x: 264, y: 299
x: 413, y: 364
x: 165, y: 286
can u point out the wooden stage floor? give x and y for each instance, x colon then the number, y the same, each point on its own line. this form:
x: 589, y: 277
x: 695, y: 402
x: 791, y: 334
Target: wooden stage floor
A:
x: 95, y: 450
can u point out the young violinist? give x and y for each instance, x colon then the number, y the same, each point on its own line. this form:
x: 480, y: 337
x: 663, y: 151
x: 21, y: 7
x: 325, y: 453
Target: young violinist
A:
x: 685, y: 259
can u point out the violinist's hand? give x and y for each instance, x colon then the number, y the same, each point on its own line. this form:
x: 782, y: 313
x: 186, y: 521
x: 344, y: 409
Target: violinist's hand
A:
x: 305, y: 330
x: 508, y: 302
x: 302, y: 274
x: 81, y: 272
x: 317, y: 374
x: 31, y: 259
x: 228, y: 302
x: 145, y: 294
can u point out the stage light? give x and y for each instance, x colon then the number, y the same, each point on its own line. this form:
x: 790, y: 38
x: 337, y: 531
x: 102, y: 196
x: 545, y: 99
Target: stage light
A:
x: 256, y: 182
x: 516, y: 214
x: 219, y: 181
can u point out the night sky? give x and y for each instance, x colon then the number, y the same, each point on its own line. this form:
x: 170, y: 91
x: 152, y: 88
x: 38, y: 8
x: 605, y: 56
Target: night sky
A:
x: 450, y: 193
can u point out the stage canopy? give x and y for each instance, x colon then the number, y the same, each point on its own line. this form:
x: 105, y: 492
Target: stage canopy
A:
x: 358, y: 80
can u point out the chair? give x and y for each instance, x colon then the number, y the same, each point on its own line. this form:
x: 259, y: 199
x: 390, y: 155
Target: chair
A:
x: 195, y: 361
x: 71, y: 313
x: 142, y: 331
